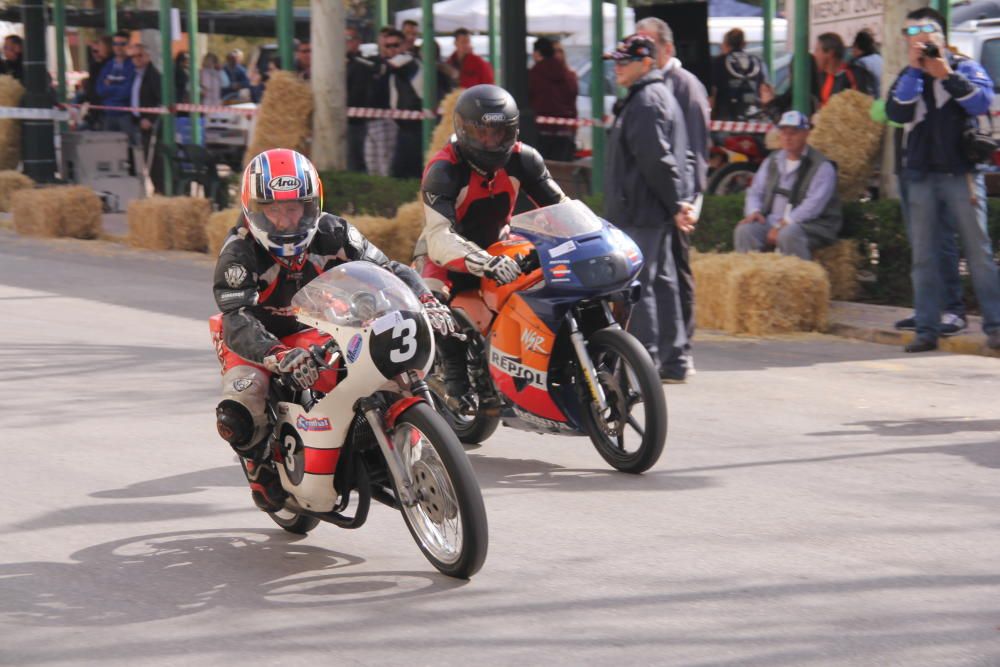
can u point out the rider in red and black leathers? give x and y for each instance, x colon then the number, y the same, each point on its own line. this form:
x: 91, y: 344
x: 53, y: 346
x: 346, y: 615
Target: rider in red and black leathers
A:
x: 282, y: 242
x: 469, y: 191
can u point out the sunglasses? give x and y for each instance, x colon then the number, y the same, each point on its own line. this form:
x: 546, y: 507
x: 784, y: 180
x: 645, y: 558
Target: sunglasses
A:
x: 117, y: 43
x: 914, y: 30
x: 626, y: 61
x: 394, y: 45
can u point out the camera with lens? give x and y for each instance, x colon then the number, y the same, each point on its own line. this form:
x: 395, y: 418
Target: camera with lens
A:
x: 931, y: 50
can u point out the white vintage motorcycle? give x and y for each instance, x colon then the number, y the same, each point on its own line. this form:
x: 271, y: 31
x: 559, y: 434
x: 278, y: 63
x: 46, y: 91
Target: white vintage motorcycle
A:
x: 374, y: 436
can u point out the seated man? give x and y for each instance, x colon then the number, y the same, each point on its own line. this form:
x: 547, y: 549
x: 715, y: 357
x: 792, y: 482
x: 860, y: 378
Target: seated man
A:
x: 792, y: 204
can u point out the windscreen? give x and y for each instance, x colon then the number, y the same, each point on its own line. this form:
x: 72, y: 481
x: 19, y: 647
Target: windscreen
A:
x: 565, y: 220
x: 354, y: 294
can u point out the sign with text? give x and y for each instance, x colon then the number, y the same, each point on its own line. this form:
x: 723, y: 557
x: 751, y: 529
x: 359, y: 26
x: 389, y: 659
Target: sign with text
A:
x: 846, y: 18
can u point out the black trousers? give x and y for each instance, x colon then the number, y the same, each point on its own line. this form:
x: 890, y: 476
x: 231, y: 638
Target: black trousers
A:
x: 680, y: 247
x: 356, y: 130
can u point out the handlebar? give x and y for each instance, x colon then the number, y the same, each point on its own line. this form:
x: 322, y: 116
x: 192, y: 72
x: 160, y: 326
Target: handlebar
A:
x: 529, y: 262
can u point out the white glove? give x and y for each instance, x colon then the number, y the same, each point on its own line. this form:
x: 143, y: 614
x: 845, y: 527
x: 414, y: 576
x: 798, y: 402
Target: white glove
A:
x: 296, y: 364
x: 439, y: 315
x: 500, y: 268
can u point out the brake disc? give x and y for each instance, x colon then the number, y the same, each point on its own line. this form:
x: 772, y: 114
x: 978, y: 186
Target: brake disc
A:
x: 431, y: 484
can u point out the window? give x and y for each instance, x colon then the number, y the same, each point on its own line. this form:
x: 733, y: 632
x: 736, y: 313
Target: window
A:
x: 990, y: 59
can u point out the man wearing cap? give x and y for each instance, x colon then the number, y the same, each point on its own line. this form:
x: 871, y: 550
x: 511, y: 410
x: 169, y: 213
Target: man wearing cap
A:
x: 648, y: 187
x: 792, y: 204
x: 937, y: 98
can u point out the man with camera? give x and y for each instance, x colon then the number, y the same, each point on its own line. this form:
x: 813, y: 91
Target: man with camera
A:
x: 938, y: 98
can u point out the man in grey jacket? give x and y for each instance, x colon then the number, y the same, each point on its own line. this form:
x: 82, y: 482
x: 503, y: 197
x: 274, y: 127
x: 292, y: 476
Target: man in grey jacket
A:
x: 648, y: 185
x: 692, y: 98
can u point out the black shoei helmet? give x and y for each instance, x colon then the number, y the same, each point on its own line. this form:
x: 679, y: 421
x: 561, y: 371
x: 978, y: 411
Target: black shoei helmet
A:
x: 486, y: 124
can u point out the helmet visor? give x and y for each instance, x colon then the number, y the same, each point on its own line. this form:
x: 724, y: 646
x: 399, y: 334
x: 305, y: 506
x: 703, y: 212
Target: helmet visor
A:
x: 488, y: 137
x: 284, y: 219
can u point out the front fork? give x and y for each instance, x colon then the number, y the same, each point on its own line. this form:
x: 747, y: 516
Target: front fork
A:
x: 372, y: 408
x: 586, y: 363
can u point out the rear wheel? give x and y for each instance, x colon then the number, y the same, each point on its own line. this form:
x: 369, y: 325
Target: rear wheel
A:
x: 300, y: 524
x: 631, y: 432
x: 448, y: 521
x: 731, y: 179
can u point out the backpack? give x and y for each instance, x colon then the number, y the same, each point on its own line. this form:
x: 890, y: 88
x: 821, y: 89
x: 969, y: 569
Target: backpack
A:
x: 743, y: 71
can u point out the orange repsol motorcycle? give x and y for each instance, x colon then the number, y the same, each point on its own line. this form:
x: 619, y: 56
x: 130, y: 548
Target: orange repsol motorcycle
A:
x: 550, y: 349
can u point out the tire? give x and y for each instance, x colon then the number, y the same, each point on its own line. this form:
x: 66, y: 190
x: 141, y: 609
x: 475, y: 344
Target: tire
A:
x: 300, y: 524
x: 731, y: 179
x: 608, y: 348
x: 470, y: 430
x: 449, y: 495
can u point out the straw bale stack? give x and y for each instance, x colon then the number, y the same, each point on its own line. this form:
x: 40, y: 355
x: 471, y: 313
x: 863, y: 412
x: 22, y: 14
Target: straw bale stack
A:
x: 11, y: 92
x: 394, y: 236
x: 10, y: 181
x: 168, y: 223
x: 444, y: 130
x: 841, y: 261
x: 68, y: 210
x: 760, y: 293
x: 846, y: 133
x: 218, y: 226
x: 284, y: 119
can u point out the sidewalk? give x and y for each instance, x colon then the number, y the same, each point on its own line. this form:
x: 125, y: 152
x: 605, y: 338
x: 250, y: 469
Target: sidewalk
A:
x: 875, y: 324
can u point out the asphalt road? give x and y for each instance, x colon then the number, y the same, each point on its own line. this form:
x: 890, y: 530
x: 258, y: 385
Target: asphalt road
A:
x: 820, y: 502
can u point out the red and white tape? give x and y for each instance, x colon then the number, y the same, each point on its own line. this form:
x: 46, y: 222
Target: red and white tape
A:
x: 714, y: 126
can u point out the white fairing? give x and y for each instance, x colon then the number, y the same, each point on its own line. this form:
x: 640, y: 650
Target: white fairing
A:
x: 338, y: 304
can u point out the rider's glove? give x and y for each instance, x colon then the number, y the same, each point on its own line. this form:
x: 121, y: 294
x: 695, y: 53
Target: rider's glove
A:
x: 500, y: 268
x: 294, y: 363
x: 439, y: 315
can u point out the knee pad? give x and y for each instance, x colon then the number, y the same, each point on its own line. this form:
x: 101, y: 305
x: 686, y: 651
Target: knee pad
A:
x: 235, y: 424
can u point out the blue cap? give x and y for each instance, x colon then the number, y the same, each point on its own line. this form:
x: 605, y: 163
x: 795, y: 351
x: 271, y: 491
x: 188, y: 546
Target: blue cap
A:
x: 795, y: 119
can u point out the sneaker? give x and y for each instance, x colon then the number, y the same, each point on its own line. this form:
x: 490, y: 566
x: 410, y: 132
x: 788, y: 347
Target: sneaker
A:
x: 673, y: 376
x: 921, y: 344
x: 265, y: 486
x: 952, y: 324
x: 993, y: 340
x: 907, y: 324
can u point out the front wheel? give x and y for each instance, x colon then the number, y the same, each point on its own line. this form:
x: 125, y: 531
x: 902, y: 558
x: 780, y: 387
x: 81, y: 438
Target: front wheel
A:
x: 448, y: 521
x: 731, y: 179
x: 631, y: 432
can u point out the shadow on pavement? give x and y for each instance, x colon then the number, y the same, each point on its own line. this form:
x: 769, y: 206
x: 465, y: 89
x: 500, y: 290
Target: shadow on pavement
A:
x: 498, y: 472
x: 168, y: 575
x: 176, y: 485
x: 917, y: 427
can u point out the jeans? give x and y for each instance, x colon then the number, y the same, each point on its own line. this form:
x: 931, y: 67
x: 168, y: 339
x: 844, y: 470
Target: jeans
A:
x: 948, y: 254
x: 752, y: 237
x: 656, y: 319
x: 931, y: 197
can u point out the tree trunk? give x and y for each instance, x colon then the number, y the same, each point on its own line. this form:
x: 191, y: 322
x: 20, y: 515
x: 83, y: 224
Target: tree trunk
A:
x: 329, y: 85
x: 893, y: 61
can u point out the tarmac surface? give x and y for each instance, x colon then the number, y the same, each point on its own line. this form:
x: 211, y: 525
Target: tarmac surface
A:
x: 821, y: 501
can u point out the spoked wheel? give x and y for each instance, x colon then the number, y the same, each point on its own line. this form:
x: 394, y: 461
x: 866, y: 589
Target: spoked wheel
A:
x: 631, y: 432
x: 448, y: 521
x: 293, y: 522
x: 300, y: 524
x: 731, y: 179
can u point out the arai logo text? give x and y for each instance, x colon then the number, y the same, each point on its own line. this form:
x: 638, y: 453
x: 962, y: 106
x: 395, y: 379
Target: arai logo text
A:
x: 285, y: 183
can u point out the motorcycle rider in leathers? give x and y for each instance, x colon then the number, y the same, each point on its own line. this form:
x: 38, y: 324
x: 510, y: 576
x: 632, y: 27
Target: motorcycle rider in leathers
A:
x: 469, y: 191
x: 283, y: 241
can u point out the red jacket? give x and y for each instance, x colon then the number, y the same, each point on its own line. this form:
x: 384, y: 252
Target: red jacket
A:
x: 472, y: 71
x: 552, y: 89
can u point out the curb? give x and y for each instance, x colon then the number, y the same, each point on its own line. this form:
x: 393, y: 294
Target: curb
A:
x: 970, y: 343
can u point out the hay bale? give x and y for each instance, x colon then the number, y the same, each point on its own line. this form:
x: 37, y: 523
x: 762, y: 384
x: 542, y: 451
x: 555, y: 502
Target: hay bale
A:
x: 11, y: 92
x: 218, y: 226
x: 168, y: 223
x: 186, y: 218
x: 11, y: 181
x: 396, y: 236
x: 846, y: 133
x: 444, y: 130
x: 760, y: 293
x: 69, y: 210
x: 284, y: 119
x: 841, y: 261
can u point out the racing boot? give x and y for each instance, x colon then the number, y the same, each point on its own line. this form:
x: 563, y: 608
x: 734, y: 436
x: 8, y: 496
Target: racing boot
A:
x: 265, y: 485
x: 455, y: 374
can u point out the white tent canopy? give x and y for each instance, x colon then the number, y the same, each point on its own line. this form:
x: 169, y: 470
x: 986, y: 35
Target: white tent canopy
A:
x: 566, y: 17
